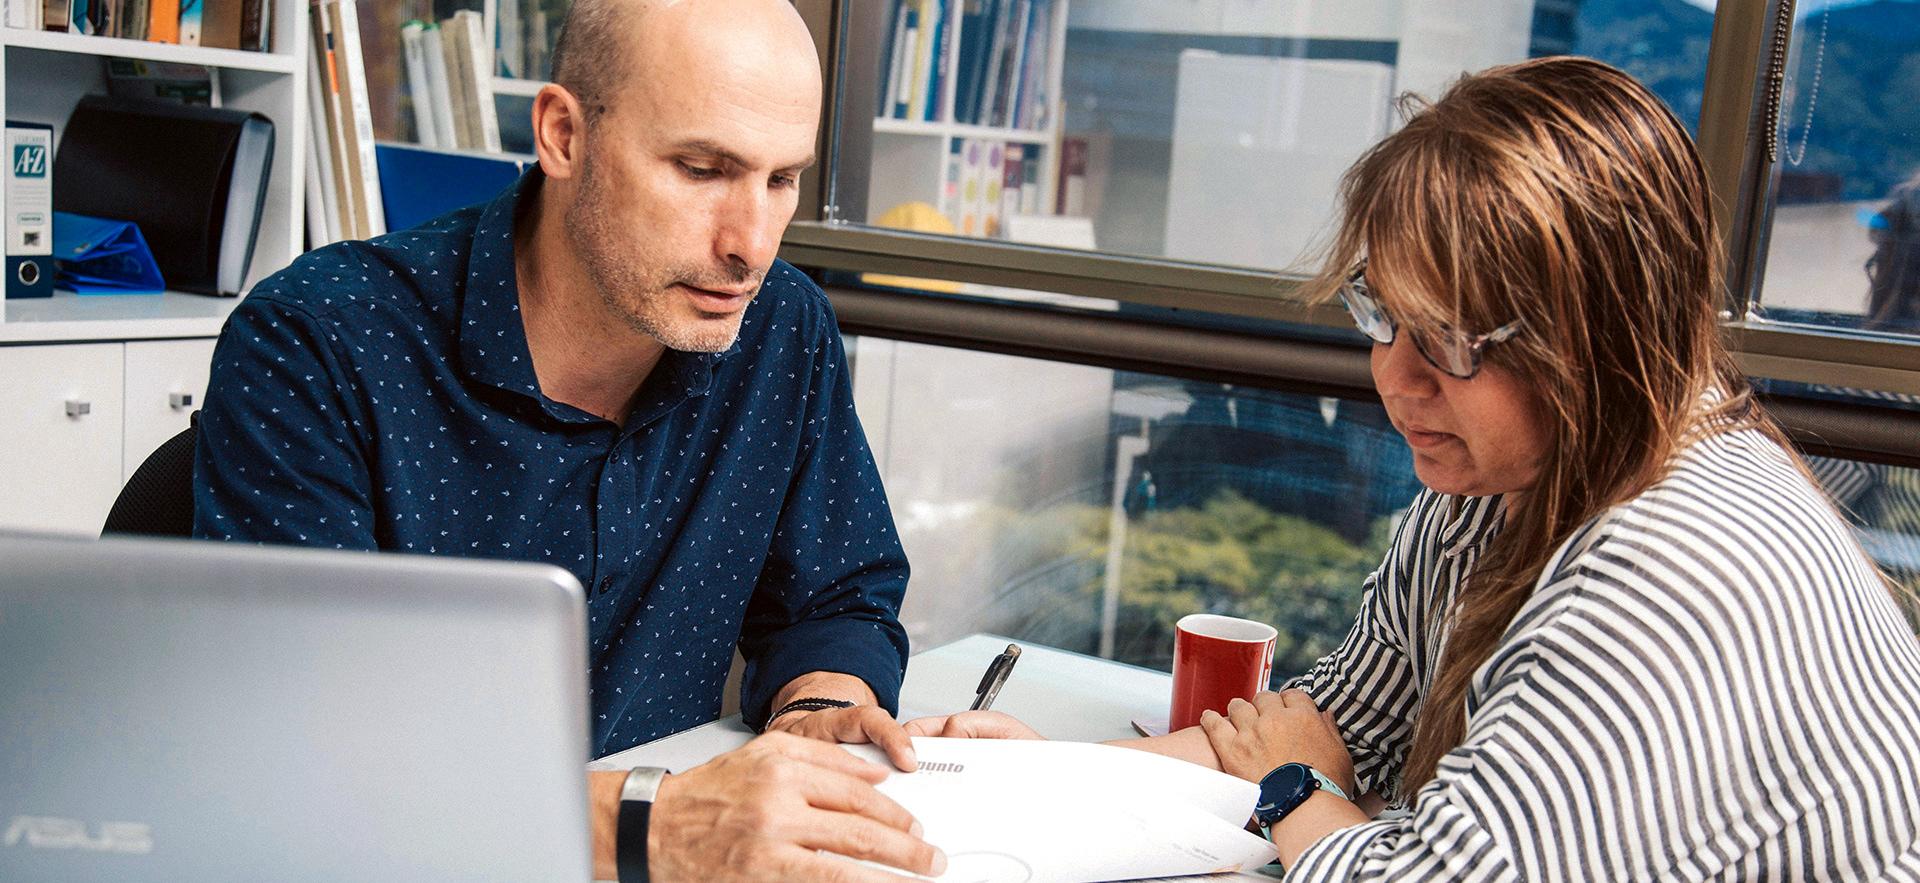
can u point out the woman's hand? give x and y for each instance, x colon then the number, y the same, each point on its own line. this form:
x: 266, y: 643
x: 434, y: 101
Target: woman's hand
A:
x: 972, y: 725
x: 1274, y: 729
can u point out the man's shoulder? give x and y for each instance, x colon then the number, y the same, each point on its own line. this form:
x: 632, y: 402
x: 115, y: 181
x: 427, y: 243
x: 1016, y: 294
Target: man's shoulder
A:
x: 399, y: 274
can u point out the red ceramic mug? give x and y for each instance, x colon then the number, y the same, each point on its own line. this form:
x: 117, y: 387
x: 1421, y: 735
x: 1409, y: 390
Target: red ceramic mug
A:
x: 1217, y: 659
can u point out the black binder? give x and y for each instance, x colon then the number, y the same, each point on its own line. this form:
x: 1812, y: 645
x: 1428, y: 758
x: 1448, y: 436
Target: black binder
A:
x: 193, y: 178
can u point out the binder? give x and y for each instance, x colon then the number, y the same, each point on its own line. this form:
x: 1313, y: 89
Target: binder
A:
x: 103, y: 257
x: 422, y: 184
x: 29, y: 210
x: 193, y: 178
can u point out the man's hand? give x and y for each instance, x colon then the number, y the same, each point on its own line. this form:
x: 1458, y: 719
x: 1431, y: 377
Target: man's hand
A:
x: 859, y: 724
x: 1274, y: 729
x: 972, y: 725
x: 761, y: 813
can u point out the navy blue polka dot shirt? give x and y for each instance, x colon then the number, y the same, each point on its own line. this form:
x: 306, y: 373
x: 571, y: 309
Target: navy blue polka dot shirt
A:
x: 380, y: 395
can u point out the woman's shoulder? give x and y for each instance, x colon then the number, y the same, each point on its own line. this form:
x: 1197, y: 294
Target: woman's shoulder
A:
x: 1735, y: 524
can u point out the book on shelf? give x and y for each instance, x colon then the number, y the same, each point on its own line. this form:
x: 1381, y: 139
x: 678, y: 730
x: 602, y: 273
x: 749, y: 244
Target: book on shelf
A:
x: 54, y: 15
x: 1071, y: 198
x: 185, y: 83
x: 220, y: 24
x: 192, y: 15
x: 953, y: 173
x: 976, y: 19
x: 899, y: 83
x: 475, y: 81
x: 469, y: 95
x: 356, y: 120
x: 539, y: 41
x: 923, y: 59
x: 20, y: 16
x: 1011, y: 179
x: 163, y: 21
x: 225, y: 24
x: 446, y: 129
x: 327, y: 117
x: 323, y: 218
x: 413, y: 44
x: 510, y: 58
x: 974, y: 62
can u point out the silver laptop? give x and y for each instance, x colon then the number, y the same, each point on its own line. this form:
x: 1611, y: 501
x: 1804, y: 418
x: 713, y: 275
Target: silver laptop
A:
x: 174, y: 710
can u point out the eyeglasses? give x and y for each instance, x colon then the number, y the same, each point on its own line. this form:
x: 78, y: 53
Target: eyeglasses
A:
x: 1451, y: 350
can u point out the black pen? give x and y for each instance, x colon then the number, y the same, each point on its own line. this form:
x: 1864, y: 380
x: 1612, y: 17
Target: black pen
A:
x: 996, y: 675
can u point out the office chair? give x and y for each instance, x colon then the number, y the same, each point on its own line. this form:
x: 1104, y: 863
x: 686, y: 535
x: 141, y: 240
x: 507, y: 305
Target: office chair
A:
x: 158, y: 499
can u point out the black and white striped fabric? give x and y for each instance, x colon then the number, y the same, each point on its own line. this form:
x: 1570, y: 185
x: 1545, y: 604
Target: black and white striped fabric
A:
x: 1710, y: 682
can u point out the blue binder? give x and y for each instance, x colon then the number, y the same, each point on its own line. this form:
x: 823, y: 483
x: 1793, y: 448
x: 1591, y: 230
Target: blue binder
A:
x: 98, y: 256
x: 418, y: 184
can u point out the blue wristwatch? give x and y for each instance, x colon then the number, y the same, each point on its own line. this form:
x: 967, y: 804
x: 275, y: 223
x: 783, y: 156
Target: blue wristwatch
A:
x: 1288, y: 786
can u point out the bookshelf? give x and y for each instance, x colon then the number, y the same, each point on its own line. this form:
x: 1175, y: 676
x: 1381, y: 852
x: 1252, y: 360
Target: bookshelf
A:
x: 45, y: 75
x: 90, y: 385
x: 917, y: 143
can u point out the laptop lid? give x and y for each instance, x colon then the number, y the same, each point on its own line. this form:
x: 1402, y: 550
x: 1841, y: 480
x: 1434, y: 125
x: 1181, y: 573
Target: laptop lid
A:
x: 175, y: 710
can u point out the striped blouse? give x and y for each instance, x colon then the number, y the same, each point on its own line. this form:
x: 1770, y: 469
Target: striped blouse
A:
x: 1710, y: 682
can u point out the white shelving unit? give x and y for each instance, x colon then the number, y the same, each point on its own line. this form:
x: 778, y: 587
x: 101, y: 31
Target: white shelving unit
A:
x: 47, y: 72
x: 93, y: 383
x: 922, y: 128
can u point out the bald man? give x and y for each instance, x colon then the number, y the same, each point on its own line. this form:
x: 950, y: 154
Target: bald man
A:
x: 605, y: 368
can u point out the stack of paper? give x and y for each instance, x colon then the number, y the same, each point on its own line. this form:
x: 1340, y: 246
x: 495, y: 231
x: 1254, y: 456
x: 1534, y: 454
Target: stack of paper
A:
x: 1015, y: 811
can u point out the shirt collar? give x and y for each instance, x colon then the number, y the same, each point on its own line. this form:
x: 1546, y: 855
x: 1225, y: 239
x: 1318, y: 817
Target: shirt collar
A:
x: 493, y: 335
x: 493, y: 339
x: 1474, y: 522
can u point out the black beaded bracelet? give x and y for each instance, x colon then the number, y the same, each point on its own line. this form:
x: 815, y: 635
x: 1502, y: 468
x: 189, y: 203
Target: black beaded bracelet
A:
x: 811, y: 703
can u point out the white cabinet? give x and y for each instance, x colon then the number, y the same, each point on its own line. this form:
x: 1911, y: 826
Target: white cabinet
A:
x: 77, y: 419
x: 60, y: 435
x: 166, y: 380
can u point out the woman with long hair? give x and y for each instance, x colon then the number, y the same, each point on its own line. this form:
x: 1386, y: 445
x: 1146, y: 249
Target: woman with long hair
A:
x: 1621, y: 635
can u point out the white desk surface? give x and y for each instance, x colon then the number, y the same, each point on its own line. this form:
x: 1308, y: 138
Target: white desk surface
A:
x: 1063, y: 695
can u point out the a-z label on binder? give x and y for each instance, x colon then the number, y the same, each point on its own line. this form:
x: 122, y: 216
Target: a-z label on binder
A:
x: 29, y: 210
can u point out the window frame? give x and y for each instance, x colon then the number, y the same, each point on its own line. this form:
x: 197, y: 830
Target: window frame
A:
x: 1734, y: 147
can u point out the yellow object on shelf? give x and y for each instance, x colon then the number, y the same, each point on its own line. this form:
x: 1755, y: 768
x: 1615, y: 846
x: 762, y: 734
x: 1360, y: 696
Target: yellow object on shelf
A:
x: 920, y: 218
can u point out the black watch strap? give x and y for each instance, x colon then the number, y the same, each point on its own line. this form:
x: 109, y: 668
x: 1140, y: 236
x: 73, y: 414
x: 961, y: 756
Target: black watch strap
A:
x: 630, y: 832
x: 810, y: 703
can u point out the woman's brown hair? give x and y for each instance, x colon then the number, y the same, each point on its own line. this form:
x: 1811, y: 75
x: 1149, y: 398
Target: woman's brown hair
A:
x: 1562, y: 193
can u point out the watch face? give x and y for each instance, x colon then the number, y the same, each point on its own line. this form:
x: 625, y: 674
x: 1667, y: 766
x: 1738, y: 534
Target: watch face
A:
x: 1282, y: 790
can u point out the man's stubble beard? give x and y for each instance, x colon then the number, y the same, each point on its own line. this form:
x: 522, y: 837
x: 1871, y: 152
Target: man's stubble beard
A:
x: 636, y: 297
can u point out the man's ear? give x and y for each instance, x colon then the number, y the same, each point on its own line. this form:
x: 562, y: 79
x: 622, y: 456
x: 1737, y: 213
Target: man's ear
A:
x: 559, y: 131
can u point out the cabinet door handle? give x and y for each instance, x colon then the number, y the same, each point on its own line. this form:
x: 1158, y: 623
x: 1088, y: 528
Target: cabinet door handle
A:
x: 79, y: 407
x: 179, y: 400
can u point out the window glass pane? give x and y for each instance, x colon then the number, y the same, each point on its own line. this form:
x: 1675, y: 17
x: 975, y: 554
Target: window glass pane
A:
x: 1029, y: 492
x: 1883, y: 503
x: 1205, y: 131
x: 1844, y: 244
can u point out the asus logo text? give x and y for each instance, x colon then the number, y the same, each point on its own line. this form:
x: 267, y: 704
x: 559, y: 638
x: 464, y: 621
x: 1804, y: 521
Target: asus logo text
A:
x: 47, y: 832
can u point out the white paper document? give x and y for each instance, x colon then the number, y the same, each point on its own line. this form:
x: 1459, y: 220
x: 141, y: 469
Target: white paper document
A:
x: 1016, y: 811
